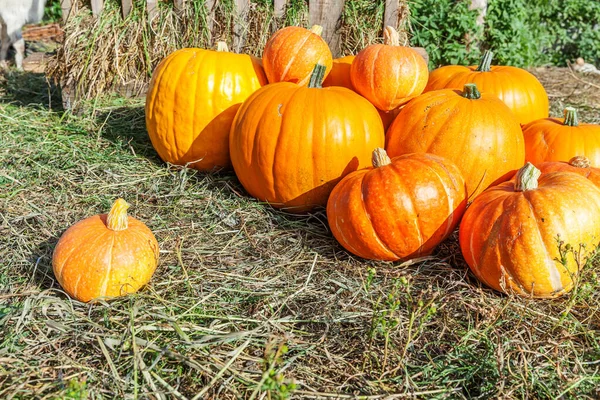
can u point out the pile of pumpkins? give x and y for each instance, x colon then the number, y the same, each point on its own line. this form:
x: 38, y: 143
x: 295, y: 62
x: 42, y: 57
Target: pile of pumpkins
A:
x: 397, y: 155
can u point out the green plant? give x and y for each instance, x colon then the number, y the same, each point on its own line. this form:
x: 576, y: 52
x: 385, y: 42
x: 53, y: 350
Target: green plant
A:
x: 52, y: 12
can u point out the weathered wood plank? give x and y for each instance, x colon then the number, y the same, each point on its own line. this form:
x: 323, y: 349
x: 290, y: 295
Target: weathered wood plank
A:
x: 327, y: 13
x: 240, y: 26
x: 66, y: 6
x: 279, y: 10
x: 210, y: 18
x: 97, y: 6
x: 152, y: 9
x: 126, y: 6
x: 390, y: 15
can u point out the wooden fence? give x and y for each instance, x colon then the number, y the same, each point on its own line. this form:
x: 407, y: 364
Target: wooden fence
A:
x: 326, y: 13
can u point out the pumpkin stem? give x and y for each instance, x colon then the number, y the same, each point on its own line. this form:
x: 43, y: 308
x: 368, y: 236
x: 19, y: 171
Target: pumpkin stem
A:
x: 471, y: 92
x: 486, y: 62
x: 222, y: 46
x: 571, y: 117
x: 317, y: 29
x: 317, y: 76
x: 117, y: 217
x: 527, y: 178
x: 580, y: 162
x: 380, y: 158
x: 391, y: 36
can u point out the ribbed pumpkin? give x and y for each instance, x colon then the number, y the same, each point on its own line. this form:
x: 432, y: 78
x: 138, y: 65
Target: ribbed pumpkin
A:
x: 558, y: 139
x: 398, y: 209
x: 291, y: 144
x: 520, y: 90
x: 291, y: 53
x: 191, y: 102
x: 106, y: 255
x: 516, y: 236
x: 578, y: 164
x: 340, y: 73
x: 474, y: 130
x: 388, y: 74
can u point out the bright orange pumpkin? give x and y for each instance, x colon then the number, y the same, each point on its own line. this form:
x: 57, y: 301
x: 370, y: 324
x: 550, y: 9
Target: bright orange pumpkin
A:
x: 291, y: 144
x: 388, y: 74
x: 516, y: 236
x: 474, y: 130
x: 191, y: 102
x: 106, y: 255
x: 558, y: 139
x: 291, y: 53
x: 519, y: 89
x: 397, y: 209
x: 578, y: 164
x: 340, y: 73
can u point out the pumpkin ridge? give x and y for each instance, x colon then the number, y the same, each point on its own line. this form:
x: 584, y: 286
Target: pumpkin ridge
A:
x: 91, y: 234
x: 76, y: 287
x: 174, y: 152
x: 297, y: 49
x: 384, y: 246
x: 372, y: 75
x: 553, y: 273
x: 447, y: 193
x: 104, y: 285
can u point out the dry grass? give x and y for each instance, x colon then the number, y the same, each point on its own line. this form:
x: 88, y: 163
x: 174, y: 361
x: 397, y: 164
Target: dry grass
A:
x: 249, y: 302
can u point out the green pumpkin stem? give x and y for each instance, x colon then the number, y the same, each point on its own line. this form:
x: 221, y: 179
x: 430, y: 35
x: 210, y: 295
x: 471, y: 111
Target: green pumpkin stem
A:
x: 486, y: 62
x: 571, y: 117
x: 471, y: 92
x: 116, y: 219
x: 317, y: 76
x: 380, y: 158
x: 527, y: 178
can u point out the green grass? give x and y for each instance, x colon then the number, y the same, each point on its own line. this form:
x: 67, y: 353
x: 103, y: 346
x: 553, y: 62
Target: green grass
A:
x: 248, y: 302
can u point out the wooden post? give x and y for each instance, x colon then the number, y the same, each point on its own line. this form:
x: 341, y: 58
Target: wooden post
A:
x: 279, y: 10
x: 97, y: 6
x: 210, y: 18
x: 390, y: 16
x: 152, y: 9
x: 65, y: 6
x: 126, y: 6
x: 240, y: 26
x: 327, y: 13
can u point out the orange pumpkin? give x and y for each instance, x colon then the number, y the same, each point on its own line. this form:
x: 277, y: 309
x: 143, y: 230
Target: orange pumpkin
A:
x: 520, y: 90
x: 291, y: 144
x: 398, y: 209
x: 474, y: 130
x: 191, y: 102
x: 387, y: 117
x: 557, y: 139
x: 388, y: 74
x: 340, y: 73
x: 105, y: 255
x: 578, y: 164
x: 525, y: 236
x: 291, y: 53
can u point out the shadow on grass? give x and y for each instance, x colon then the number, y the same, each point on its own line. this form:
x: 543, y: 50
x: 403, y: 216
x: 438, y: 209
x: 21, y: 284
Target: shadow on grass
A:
x: 29, y: 89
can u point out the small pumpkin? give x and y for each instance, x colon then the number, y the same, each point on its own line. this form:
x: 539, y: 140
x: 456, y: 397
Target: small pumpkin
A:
x: 474, y: 130
x: 388, y: 74
x: 105, y: 256
x: 191, y: 102
x: 291, y: 53
x: 525, y: 236
x: 519, y: 89
x: 291, y: 144
x: 398, y: 209
x: 558, y: 139
x: 340, y: 73
x: 578, y: 164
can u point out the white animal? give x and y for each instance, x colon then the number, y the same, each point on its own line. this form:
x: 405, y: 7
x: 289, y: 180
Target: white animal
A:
x: 13, y: 15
